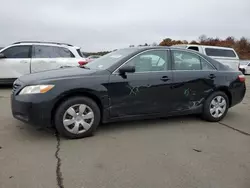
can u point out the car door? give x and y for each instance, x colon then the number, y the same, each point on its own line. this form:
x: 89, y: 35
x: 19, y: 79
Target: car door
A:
x: 50, y: 57
x: 146, y: 90
x: 193, y: 79
x: 16, y: 61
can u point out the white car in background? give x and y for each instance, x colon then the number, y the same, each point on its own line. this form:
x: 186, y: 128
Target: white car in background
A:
x: 245, y: 67
x: 226, y: 56
x: 28, y: 57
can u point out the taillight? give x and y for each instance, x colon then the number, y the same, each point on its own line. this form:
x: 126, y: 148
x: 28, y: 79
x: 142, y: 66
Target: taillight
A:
x: 82, y: 63
x: 241, y: 78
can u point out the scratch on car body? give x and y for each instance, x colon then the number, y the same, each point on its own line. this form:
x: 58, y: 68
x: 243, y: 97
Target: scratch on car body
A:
x: 133, y: 90
x: 186, y: 92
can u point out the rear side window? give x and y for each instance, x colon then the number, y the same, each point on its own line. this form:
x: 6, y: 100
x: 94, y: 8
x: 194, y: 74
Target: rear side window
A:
x: 220, y: 52
x: 41, y: 51
x: 189, y: 61
x: 17, y: 52
x: 63, y: 52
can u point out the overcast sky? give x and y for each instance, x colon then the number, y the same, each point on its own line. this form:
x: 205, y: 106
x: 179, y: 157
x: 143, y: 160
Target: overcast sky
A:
x: 98, y: 25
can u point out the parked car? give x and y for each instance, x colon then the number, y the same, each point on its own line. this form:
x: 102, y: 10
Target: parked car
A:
x: 227, y: 56
x: 28, y: 57
x: 92, y: 57
x: 245, y: 67
x: 127, y: 84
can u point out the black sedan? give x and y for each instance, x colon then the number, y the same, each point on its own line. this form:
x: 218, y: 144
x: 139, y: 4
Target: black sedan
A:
x: 126, y: 84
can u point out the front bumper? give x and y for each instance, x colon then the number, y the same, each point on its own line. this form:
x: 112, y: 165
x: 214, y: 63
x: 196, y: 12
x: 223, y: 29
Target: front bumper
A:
x: 26, y: 109
x: 34, y: 109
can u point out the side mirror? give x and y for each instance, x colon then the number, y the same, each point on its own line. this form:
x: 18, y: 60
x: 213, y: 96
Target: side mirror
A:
x: 127, y: 68
x: 2, y: 55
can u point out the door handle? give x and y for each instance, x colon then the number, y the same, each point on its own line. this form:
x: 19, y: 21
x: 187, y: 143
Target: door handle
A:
x: 165, y: 78
x: 23, y: 61
x: 211, y: 76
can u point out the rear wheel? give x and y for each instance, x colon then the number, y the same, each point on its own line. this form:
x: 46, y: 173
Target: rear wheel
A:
x: 77, y: 117
x: 216, y: 107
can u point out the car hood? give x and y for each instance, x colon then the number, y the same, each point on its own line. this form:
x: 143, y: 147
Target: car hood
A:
x: 243, y: 66
x: 57, y: 74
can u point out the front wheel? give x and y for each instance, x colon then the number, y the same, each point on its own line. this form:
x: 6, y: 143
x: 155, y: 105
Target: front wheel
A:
x: 216, y: 107
x: 77, y: 117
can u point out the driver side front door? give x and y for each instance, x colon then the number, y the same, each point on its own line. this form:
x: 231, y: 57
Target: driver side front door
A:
x: 144, y: 92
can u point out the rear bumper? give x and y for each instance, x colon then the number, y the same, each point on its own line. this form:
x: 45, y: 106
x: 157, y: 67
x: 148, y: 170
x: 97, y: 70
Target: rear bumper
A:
x: 238, y: 93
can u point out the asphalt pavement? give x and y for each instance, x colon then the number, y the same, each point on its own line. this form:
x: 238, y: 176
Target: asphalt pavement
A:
x: 182, y: 152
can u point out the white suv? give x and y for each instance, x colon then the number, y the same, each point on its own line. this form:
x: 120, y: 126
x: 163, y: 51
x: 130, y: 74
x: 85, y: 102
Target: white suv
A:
x: 28, y: 57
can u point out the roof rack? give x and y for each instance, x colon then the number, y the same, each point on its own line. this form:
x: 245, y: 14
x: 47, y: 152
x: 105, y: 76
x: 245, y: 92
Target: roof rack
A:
x: 59, y: 43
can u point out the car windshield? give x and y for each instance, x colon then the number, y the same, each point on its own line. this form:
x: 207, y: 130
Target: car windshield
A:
x: 110, y: 59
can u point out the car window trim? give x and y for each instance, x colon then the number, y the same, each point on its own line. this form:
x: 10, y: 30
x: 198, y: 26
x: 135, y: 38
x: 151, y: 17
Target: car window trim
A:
x: 195, y: 53
x: 167, y: 54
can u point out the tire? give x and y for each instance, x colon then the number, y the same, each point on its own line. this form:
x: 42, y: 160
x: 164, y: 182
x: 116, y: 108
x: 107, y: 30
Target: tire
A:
x: 208, y: 105
x: 69, y: 112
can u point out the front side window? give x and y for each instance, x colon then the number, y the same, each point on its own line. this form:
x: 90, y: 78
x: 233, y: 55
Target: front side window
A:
x: 41, y: 51
x: 150, y: 61
x: 189, y: 61
x: 17, y: 52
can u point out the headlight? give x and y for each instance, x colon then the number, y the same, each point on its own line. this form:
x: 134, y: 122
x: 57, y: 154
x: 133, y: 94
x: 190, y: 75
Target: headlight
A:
x: 36, y: 89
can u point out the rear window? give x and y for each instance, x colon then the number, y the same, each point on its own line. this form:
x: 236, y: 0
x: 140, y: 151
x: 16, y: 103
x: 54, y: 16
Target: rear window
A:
x: 220, y: 52
x: 80, y: 53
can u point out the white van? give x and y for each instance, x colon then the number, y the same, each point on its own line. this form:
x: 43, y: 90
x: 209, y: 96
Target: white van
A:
x: 227, y: 56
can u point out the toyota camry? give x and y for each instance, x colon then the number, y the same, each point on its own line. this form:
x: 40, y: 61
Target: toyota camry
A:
x: 127, y: 84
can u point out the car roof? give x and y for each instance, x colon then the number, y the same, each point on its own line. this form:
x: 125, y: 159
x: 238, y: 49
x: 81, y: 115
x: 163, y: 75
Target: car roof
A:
x: 143, y: 48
